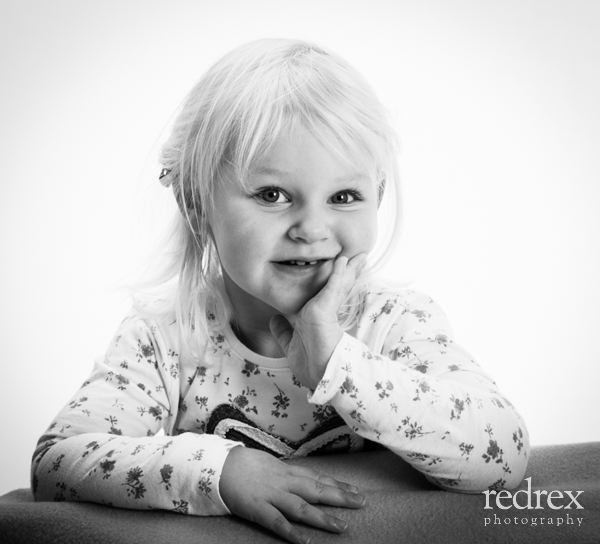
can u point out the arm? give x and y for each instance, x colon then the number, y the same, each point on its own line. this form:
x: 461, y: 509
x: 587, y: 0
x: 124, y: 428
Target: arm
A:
x: 424, y: 398
x: 405, y: 384
x: 102, y: 447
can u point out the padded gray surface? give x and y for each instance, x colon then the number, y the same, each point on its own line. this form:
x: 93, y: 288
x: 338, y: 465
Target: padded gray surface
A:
x: 402, y: 508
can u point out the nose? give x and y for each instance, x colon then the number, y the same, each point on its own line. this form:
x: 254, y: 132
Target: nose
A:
x: 310, y: 226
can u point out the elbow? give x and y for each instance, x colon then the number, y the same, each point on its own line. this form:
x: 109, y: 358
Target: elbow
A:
x: 44, y: 445
x: 502, y: 458
x: 479, y: 477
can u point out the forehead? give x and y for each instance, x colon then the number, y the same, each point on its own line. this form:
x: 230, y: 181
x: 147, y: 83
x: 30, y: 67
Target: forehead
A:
x: 301, y: 153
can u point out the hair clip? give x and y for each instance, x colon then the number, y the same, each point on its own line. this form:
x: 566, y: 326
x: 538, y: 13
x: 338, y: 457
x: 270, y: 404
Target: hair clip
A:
x: 381, y: 189
x: 163, y: 174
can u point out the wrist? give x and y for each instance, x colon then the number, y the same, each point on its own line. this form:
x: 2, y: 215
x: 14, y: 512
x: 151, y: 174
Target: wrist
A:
x: 331, y: 382
x: 335, y: 335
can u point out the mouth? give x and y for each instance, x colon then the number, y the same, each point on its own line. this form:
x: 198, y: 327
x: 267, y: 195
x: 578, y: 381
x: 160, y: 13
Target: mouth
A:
x: 300, y: 263
x: 309, y: 262
x: 298, y: 266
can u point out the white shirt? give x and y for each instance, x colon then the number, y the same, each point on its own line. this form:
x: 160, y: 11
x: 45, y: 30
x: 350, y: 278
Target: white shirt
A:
x: 401, y: 382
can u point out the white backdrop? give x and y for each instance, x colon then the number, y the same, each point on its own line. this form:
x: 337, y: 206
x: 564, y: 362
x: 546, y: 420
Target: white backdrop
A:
x: 497, y: 107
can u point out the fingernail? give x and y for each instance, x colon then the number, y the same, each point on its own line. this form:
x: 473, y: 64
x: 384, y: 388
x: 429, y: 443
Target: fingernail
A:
x: 301, y: 538
x: 352, y: 489
x: 340, y: 524
x: 359, y: 499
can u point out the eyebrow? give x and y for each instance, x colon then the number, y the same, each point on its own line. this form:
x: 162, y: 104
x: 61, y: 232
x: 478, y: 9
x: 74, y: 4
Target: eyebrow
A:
x: 276, y: 172
x: 266, y: 171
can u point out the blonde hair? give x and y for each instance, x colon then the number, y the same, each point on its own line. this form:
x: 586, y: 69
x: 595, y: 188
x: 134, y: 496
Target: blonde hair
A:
x: 230, y: 119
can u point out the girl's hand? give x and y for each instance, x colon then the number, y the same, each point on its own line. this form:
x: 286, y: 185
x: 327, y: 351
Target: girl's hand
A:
x: 309, y: 344
x: 260, y: 488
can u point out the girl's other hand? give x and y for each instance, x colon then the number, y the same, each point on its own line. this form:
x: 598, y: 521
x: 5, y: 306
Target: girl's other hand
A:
x: 260, y: 488
x: 310, y: 342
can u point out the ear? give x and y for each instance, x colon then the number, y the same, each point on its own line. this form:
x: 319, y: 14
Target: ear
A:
x: 381, y: 190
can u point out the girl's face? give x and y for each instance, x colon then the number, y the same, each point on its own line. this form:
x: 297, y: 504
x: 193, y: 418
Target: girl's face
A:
x: 277, y: 241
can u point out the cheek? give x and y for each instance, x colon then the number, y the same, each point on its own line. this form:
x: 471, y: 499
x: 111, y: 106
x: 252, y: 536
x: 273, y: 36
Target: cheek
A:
x: 234, y: 228
x: 238, y: 243
x: 360, y: 236
x: 368, y: 239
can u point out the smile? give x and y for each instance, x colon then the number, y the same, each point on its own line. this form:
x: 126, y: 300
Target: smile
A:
x: 299, y: 263
x: 297, y: 266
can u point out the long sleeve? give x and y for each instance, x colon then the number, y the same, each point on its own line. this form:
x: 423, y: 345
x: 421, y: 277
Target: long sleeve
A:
x: 419, y: 394
x: 104, y: 447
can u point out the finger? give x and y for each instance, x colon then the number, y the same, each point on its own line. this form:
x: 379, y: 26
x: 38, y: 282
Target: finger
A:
x: 336, y: 483
x: 357, y: 264
x: 297, y: 509
x: 308, y: 473
x: 282, y: 330
x: 330, y: 295
x: 316, y: 491
x: 353, y: 270
x: 273, y: 520
x: 342, y: 279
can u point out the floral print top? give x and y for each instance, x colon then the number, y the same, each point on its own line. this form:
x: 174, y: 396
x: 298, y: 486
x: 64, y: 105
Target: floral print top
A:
x: 152, y: 427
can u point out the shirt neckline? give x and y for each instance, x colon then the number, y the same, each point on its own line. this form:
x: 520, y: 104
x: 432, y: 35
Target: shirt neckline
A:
x: 248, y: 355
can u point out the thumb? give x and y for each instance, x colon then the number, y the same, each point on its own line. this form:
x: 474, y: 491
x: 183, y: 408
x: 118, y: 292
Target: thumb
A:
x: 282, y: 330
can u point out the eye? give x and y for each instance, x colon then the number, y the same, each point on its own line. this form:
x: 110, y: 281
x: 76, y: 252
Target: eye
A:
x: 345, y: 197
x: 271, y: 195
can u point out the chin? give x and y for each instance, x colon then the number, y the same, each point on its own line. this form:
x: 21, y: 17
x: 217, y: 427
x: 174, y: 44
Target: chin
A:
x: 289, y: 309
x: 292, y: 306
x: 290, y: 301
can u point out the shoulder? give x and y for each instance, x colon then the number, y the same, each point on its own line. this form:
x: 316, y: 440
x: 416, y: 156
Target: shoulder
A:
x: 390, y: 312
x: 159, y: 318
x: 149, y: 320
x: 386, y: 298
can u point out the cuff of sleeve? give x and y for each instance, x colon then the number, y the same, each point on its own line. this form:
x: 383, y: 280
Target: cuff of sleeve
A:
x: 215, y: 452
x: 335, y: 376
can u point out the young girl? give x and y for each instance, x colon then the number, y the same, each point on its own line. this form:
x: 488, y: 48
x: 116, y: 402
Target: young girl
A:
x: 276, y: 341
